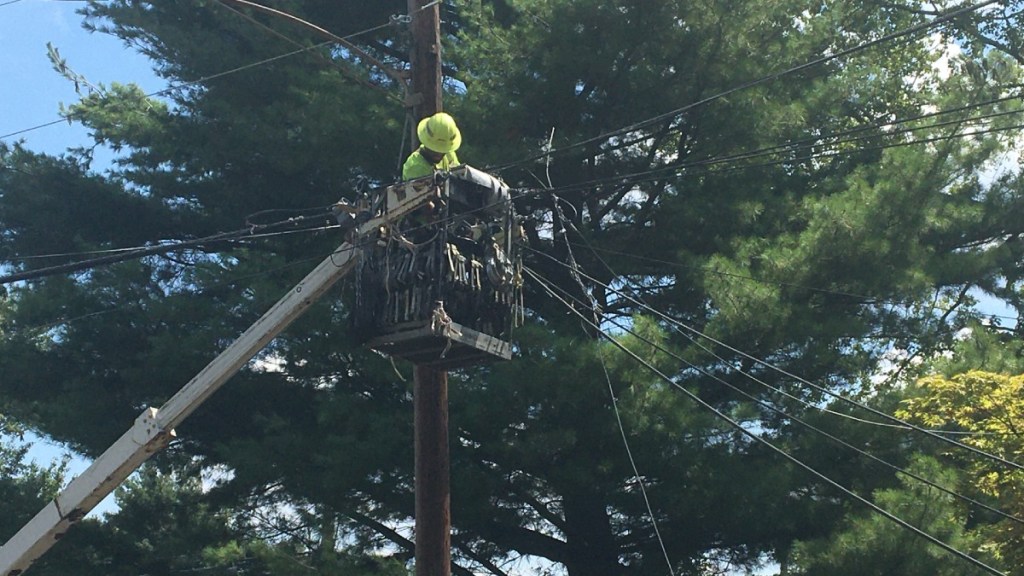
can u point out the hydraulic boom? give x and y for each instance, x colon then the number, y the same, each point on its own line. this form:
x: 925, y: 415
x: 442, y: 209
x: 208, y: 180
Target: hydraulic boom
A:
x: 154, y: 428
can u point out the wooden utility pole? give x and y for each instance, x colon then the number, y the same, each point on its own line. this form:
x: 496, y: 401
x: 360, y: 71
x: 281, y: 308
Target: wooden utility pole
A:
x: 425, y: 58
x: 433, y: 495
x: 433, y: 517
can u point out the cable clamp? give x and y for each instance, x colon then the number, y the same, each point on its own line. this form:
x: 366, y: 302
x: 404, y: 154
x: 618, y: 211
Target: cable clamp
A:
x: 403, y: 19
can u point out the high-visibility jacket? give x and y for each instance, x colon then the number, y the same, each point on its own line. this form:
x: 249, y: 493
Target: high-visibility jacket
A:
x: 416, y: 166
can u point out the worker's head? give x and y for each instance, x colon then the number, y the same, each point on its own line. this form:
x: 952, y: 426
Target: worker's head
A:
x: 438, y: 133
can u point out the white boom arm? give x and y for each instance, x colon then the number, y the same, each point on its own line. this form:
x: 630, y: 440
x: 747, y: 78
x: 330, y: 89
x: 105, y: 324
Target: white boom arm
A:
x: 154, y: 428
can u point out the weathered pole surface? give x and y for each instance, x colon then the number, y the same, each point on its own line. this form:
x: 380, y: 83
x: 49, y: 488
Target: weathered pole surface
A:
x: 425, y: 58
x: 433, y: 518
x: 433, y: 496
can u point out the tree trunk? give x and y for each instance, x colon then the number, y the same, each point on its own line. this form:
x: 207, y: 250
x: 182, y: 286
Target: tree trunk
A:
x: 592, y: 550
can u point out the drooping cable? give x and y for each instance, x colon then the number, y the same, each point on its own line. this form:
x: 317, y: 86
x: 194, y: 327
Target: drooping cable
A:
x: 679, y: 169
x: 390, y: 72
x: 757, y: 438
x: 573, y: 266
x: 861, y: 297
x: 938, y: 20
x: 345, y: 71
x: 780, y: 412
x: 822, y: 389
x: 632, y: 464
x: 215, y: 76
x: 134, y: 254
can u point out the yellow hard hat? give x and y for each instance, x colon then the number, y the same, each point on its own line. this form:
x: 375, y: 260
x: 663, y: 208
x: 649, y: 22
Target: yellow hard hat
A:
x: 439, y: 133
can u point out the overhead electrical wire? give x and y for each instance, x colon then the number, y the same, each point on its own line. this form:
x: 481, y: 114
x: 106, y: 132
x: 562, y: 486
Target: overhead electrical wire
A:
x: 819, y: 431
x: 938, y: 20
x: 346, y: 71
x: 136, y: 253
x: 573, y: 266
x: 334, y: 38
x: 708, y: 270
x: 782, y: 392
x: 828, y: 142
x: 890, y: 418
x: 679, y: 170
x: 215, y: 76
x: 757, y: 438
x: 252, y: 236
x: 636, y: 471
x: 822, y: 389
x: 82, y: 265
x: 179, y: 86
x: 217, y: 285
x: 876, y: 124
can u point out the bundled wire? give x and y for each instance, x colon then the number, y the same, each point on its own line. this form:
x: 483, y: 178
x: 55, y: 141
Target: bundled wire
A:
x: 887, y: 417
x: 141, y: 252
x: 939, y: 20
x: 550, y: 289
x: 782, y: 392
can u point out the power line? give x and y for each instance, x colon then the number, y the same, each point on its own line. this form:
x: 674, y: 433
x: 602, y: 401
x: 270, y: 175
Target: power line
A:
x: 785, y: 415
x: 250, y: 226
x: 615, y: 403
x: 346, y: 71
x: 708, y: 270
x: 938, y: 20
x: 636, y: 471
x: 818, y: 142
x: 757, y: 438
x: 179, y: 86
x: 810, y: 141
x: 83, y: 265
x: 207, y: 288
x: 671, y: 320
x: 679, y: 170
x: 133, y: 254
x: 817, y: 430
x: 817, y: 387
x: 329, y: 35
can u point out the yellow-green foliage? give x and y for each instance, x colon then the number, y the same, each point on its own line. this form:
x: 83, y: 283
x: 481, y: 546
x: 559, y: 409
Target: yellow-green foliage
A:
x: 991, y: 407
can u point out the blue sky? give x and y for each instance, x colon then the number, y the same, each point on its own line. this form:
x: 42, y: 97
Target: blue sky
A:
x: 31, y: 93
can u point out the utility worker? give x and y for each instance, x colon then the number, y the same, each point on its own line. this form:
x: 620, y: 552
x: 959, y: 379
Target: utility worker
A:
x: 439, y: 139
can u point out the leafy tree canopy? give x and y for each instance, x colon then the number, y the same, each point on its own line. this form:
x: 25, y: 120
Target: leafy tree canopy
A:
x: 814, y: 218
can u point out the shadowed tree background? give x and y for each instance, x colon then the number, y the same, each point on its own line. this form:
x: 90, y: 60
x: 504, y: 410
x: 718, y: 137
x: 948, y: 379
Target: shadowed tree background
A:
x: 817, y: 218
